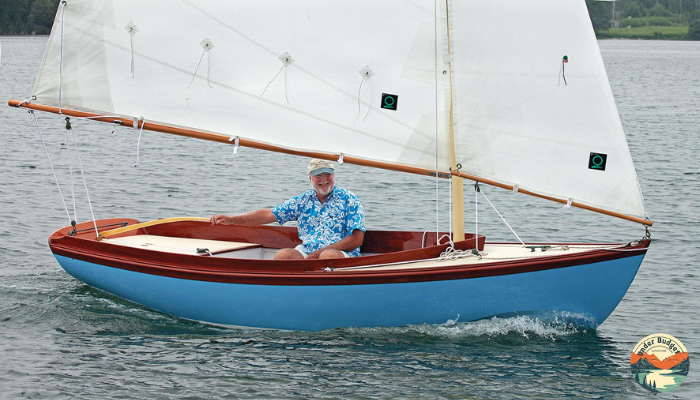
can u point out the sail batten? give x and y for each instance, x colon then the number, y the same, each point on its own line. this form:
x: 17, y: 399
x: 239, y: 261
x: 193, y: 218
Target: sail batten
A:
x: 522, y: 85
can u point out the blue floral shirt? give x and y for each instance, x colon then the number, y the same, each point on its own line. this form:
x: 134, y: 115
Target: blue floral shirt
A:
x: 320, y: 225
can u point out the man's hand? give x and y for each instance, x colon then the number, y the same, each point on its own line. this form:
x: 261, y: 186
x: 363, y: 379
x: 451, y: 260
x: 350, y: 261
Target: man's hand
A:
x: 219, y: 220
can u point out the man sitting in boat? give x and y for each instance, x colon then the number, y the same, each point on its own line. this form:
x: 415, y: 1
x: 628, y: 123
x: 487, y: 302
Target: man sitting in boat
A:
x: 330, y: 219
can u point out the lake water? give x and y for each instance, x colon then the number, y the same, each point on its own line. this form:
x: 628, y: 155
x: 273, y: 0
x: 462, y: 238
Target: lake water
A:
x: 62, y: 339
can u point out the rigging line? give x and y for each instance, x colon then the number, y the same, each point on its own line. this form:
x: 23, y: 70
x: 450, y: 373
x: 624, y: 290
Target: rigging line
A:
x: 451, y: 201
x: 208, y: 67
x: 476, y: 209
x: 65, y: 206
x: 437, y: 132
x: 138, y: 143
x: 273, y: 79
x: 504, y: 220
x: 131, y: 42
x: 82, y: 173
x: 197, y: 69
x: 359, y: 91
x: 285, y: 85
x: 70, y: 170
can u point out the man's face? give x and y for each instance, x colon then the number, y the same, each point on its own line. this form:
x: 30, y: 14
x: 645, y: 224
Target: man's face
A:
x: 323, y: 183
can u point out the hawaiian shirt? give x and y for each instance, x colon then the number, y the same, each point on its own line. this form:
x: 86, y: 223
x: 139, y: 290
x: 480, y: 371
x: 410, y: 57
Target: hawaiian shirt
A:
x: 320, y: 225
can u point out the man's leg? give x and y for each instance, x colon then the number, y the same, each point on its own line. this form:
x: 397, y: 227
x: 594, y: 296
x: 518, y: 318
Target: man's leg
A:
x: 331, y: 253
x: 288, y: 254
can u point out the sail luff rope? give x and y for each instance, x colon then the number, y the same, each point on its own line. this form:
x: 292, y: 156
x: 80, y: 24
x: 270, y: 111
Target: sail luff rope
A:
x: 82, y: 173
x: 60, y: 63
x: 65, y: 206
x: 437, y: 127
x: 502, y: 218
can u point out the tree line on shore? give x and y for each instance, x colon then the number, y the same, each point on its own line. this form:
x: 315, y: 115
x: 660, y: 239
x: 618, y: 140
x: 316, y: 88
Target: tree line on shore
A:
x: 677, y: 15
x: 35, y: 17
x: 27, y: 17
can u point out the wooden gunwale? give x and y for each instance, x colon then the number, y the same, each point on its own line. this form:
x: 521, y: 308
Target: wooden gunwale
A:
x: 307, y: 272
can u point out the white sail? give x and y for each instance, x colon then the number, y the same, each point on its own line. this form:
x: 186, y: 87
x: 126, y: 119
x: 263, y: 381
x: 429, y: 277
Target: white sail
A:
x: 311, y: 104
x: 310, y: 75
x: 522, y: 120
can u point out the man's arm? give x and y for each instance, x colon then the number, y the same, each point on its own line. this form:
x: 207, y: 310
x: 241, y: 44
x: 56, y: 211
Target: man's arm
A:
x: 257, y: 217
x: 349, y: 243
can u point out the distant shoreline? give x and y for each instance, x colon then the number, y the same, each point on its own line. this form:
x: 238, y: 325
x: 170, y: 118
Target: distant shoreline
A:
x: 653, y: 32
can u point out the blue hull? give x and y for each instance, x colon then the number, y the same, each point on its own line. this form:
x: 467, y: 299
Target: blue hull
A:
x: 589, y: 291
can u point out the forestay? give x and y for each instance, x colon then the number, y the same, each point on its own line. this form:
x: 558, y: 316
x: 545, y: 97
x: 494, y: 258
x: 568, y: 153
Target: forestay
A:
x: 315, y: 75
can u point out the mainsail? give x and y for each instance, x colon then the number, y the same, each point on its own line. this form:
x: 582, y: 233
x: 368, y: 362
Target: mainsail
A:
x: 370, y: 80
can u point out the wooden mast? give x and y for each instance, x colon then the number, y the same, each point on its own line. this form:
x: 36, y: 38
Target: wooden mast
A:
x: 457, y: 183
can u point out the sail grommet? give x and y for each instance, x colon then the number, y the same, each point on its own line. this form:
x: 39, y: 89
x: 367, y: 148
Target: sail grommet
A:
x: 236, y: 143
x: 207, y: 45
x: 366, y: 72
x: 287, y: 60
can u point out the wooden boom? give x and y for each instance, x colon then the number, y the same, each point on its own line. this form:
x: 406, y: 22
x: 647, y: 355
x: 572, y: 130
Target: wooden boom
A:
x: 226, y: 139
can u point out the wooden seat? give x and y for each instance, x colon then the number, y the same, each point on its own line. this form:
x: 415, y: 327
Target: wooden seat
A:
x: 179, y: 245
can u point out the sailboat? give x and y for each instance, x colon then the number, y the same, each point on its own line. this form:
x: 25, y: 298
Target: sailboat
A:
x: 509, y: 93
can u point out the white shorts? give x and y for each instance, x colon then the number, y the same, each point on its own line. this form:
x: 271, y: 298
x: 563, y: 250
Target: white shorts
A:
x: 299, y: 249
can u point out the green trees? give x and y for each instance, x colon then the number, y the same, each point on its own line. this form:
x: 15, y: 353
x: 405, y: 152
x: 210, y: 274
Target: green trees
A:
x: 26, y: 17
x: 41, y: 16
x: 646, y: 19
x: 694, y: 30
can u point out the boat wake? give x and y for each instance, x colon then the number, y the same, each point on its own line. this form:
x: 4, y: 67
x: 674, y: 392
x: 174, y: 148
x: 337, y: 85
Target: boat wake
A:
x: 552, y: 326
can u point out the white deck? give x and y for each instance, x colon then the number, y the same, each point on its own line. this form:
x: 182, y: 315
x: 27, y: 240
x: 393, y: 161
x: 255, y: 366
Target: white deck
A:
x: 178, y: 245
x: 492, y: 252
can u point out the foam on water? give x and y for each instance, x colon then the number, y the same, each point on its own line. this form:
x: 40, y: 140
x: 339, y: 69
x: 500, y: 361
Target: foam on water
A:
x: 550, y: 326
